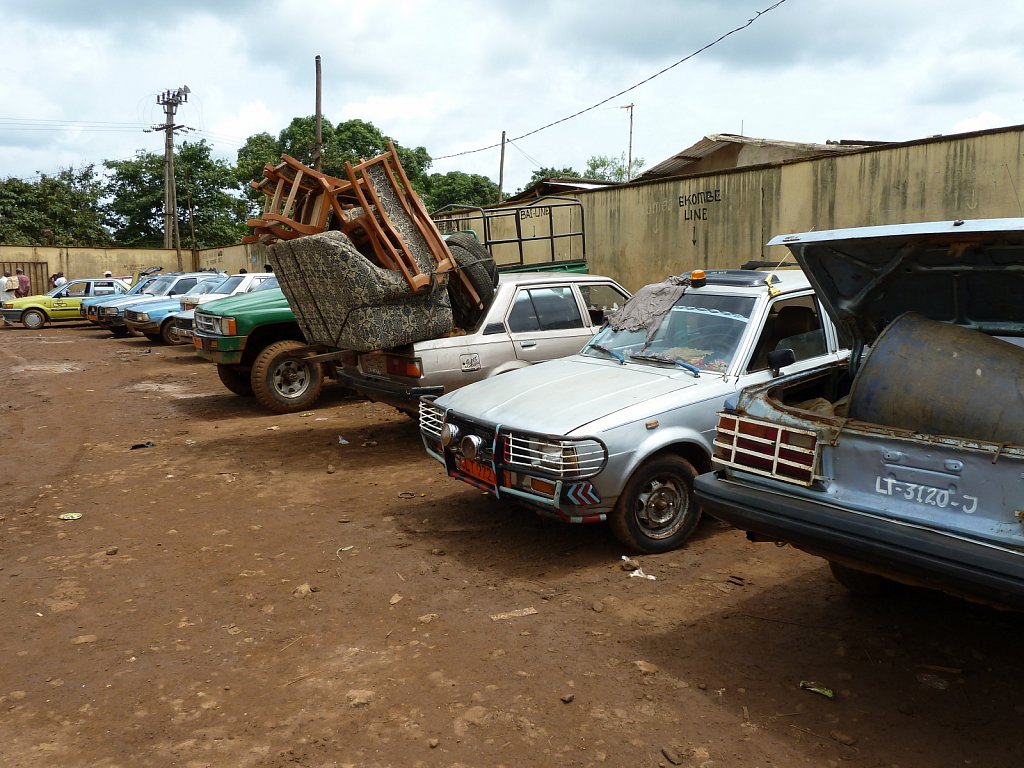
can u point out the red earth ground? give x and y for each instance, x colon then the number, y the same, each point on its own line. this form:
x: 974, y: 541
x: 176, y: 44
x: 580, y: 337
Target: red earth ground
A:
x: 250, y: 591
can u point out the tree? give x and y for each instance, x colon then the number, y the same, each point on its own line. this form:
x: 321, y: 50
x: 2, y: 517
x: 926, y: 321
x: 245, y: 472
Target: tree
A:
x: 351, y: 141
x: 65, y: 209
x: 209, y: 205
x: 612, y: 169
x: 552, y: 173
x: 456, y: 187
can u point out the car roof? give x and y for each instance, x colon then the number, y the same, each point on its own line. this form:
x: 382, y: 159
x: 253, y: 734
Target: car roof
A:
x: 526, y: 278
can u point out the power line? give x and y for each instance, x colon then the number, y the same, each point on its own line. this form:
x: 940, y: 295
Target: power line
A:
x: 755, y: 17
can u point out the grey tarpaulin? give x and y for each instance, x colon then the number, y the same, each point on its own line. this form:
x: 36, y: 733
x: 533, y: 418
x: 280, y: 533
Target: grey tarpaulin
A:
x: 648, y: 306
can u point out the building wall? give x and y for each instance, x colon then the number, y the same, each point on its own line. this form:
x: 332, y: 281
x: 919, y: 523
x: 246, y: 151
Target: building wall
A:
x: 93, y: 262
x: 642, y: 233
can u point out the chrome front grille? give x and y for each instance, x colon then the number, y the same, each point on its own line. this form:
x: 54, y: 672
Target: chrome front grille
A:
x: 205, y: 323
x: 564, y: 458
x: 431, y: 418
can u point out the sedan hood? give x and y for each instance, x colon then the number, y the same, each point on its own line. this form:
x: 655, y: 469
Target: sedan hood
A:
x: 964, y: 272
x: 560, y: 396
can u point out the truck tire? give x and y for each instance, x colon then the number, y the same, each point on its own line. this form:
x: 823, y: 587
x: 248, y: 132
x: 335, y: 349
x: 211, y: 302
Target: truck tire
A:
x: 463, y: 312
x: 33, y: 319
x: 237, y: 380
x: 283, y: 383
x: 656, y: 511
x: 477, y: 250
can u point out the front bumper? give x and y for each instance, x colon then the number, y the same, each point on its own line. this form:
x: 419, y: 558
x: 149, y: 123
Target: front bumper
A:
x: 12, y: 315
x: 146, y: 326
x: 223, y: 350
x: 898, y: 550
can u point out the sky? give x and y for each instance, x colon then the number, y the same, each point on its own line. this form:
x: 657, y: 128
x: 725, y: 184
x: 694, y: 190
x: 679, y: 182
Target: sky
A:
x: 79, y: 80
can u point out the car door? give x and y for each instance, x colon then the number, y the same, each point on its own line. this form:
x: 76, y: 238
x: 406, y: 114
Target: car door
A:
x: 64, y: 304
x: 545, y: 322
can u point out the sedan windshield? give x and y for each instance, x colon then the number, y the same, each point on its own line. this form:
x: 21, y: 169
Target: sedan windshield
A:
x: 700, y: 330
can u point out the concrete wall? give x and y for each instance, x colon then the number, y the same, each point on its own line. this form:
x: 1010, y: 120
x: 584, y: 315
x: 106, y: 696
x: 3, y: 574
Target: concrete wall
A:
x: 642, y: 233
x: 93, y: 262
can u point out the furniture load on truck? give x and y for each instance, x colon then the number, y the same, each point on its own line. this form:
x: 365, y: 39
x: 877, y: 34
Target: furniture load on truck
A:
x: 362, y: 267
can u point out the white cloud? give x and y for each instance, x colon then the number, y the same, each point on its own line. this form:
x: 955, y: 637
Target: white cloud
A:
x: 451, y: 76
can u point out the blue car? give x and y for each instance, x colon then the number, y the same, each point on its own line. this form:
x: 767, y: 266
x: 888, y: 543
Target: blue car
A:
x: 151, y: 315
x: 110, y: 314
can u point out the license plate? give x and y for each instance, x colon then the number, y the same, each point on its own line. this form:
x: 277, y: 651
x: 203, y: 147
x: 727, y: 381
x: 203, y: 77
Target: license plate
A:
x: 481, y: 472
x: 373, y: 365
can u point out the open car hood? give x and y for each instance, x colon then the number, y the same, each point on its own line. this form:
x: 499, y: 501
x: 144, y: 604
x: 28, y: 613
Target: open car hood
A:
x: 966, y: 272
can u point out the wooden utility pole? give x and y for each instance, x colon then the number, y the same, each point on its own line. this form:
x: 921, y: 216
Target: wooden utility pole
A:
x: 170, y: 100
x: 629, y: 154
x: 501, y: 169
x: 318, y: 146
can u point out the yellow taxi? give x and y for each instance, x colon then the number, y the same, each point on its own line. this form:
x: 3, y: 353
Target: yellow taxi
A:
x: 62, y: 302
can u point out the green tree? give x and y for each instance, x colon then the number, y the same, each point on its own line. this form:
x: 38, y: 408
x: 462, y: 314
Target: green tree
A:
x: 456, y: 187
x: 209, y: 206
x: 65, y: 209
x: 351, y: 141
x: 552, y: 173
x: 613, y: 169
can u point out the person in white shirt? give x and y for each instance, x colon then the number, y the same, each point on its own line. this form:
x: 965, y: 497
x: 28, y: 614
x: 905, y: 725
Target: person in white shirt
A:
x: 60, y: 279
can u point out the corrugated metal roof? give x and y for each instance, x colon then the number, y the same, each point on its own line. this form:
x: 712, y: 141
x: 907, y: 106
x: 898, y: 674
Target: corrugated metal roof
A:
x: 677, y: 164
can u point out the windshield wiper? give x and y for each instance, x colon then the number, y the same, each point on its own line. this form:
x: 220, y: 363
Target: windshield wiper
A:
x: 666, y: 359
x: 617, y: 355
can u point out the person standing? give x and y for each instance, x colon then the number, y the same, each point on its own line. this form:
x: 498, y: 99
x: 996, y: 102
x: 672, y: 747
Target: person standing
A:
x: 7, y: 285
x: 60, y: 279
x: 24, y: 284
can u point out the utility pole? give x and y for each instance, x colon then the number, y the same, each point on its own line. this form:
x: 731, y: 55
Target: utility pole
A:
x: 629, y: 156
x: 170, y: 101
x: 318, y: 147
x: 501, y: 169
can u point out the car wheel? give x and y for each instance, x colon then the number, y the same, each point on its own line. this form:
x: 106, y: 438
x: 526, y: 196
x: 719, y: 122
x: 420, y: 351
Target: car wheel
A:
x: 153, y: 336
x: 237, y: 380
x: 283, y: 383
x: 656, y: 511
x: 169, y: 334
x: 464, y: 312
x: 33, y: 319
x: 860, y: 583
x: 477, y: 250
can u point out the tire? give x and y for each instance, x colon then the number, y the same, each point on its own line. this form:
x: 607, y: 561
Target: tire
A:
x: 656, y: 511
x: 153, y: 336
x: 285, y: 385
x: 465, y: 314
x: 33, y: 319
x: 860, y: 583
x: 477, y: 250
x: 237, y: 380
x: 169, y: 334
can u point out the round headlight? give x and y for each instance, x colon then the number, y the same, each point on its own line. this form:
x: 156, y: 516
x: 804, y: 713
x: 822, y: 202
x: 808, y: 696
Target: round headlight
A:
x: 471, y: 446
x: 449, y: 434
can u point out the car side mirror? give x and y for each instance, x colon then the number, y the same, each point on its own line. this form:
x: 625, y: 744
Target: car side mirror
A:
x: 780, y: 358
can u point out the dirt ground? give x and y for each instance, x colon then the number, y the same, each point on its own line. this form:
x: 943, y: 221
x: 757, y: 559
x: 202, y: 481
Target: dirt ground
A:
x: 250, y: 591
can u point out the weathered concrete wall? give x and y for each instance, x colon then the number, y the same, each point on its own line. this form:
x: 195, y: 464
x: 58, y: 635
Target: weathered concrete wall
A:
x: 639, y: 234
x: 92, y: 262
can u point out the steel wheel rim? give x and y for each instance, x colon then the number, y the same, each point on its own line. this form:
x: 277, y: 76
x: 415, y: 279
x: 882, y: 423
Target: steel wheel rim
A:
x: 660, y: 507
x: 291, y: 379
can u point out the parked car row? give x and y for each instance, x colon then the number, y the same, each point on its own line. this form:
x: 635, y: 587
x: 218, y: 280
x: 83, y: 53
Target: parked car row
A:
x: 863, y: 403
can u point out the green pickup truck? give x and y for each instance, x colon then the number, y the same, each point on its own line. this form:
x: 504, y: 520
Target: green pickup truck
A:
x: 249, y: 337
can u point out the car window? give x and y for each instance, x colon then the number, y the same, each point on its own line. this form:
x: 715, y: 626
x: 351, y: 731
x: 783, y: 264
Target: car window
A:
x: 184, y: 285
x: 544, y: 309
x: 601, y: 299
x: 791, y: 324
x: 75, y: 290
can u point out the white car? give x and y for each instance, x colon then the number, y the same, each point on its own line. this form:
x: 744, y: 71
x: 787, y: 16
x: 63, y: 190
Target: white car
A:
x: 620, y: 431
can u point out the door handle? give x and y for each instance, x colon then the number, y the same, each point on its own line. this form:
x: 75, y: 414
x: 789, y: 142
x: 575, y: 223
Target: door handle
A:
x: 527, y: 344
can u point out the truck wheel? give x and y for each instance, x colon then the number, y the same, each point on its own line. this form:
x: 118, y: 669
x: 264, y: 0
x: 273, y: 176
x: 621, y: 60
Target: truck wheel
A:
x: 169, y: 334
x: 237, y: 380
x: 477, y: 250
x: 656, y: 511
x: 285, y: 384
x: 860, y: 583
x: 465, y: 314
x: 33, y: 319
